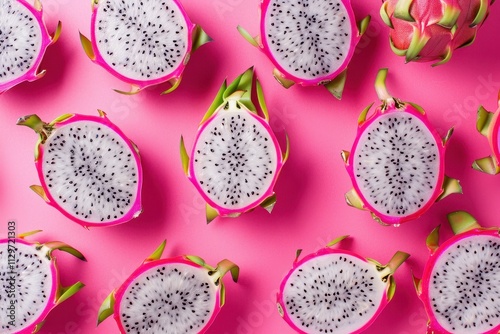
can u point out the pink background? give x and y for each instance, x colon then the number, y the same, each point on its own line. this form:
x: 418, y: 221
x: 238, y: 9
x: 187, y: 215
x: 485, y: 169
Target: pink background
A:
x: 310, y: 210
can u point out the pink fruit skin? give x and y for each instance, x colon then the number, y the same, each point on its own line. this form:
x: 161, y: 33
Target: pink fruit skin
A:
x: 427, y: 14
x: 152, y: 264
x: 433, y: 326
x: 136, y: 206
x: 177, y: 73
x: 355, y: 38
x: 51, y: 303
x: 225, y: 211
x: 493, y: 136
x: 440, y: 179
x: 31, y: 75
x: 296, y: 264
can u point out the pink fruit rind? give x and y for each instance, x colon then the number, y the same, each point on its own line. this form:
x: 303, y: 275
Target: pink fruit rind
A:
x: 355, y: 38
x: 493, y: 136
x: 57, y: 291
x: 51, y: 300
x: 153, y: 264
x: 435, y: 40
x: 142, y: 84
x: 324, y: 251
x: 269, y: 192
x: 393, y: 220
x: 32, y: 73
x: 433, y: 326
x: 136, y: 207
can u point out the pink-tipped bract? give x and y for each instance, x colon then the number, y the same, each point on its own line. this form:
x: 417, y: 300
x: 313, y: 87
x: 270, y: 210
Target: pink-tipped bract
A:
x: 431, y: 30
x: 236, y: 158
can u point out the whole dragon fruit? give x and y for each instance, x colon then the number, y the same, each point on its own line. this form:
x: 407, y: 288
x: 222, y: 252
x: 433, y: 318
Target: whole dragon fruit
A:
x: 488, y: 125
x: 29, y: 282
x: 176, y: 295
x: 88, y: 168
x: 459, y: 286
x: 236, y: 158
x: 143, y: 43
x: 336, y: 291
x: 23, y: 41
x: 309, y: 42
x: 431, y: 30
x: 397, y: 161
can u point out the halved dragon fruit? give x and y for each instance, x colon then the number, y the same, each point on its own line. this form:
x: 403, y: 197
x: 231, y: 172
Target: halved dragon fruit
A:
x: 176, y: 295
x: 88, y: 168
x: 397, y: 161
x: 23, y: 41
x: 309, y: 42
x: 29, y: 282
x: 488, y: 125
x: 430, y: 30
x: 459, y: 286
x: 143, y: 43
x: 236, y: 158
x: 336, y: 291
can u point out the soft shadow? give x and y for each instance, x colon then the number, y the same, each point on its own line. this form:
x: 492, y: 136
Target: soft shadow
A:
x: 154, y: 203
x: 55, y: 62
x: 199, y: 74
x: 232, y: 317
x: 290, y: 188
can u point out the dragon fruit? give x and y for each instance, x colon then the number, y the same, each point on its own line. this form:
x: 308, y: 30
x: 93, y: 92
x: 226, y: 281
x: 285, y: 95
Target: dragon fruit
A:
x: 309, y: 42
x: 336, y: 291
x: 431, y: 30
x: 23, y: 41
x: 29, y: 282
x: 88, y: 169
x: 397, y: 161
x: 176, y: 295
x: 461, y: 278
x: 488, y: 125
x: 236, y: 158
x: 142, y: 43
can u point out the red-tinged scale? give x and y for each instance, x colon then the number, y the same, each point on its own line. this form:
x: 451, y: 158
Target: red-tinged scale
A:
x: 431, y: 30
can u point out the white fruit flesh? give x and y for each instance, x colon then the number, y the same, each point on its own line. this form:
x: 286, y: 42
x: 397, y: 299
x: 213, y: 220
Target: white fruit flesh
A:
x: 20, y: 40
x: 90, y: 171
x: 464, y: 283
x: 310, y: 39
x: 396, y: 164
x: 235, y: 159
x: 333, y: 293
x: 26, y: 284
x: 170, y: 298
x: 141, y: 40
